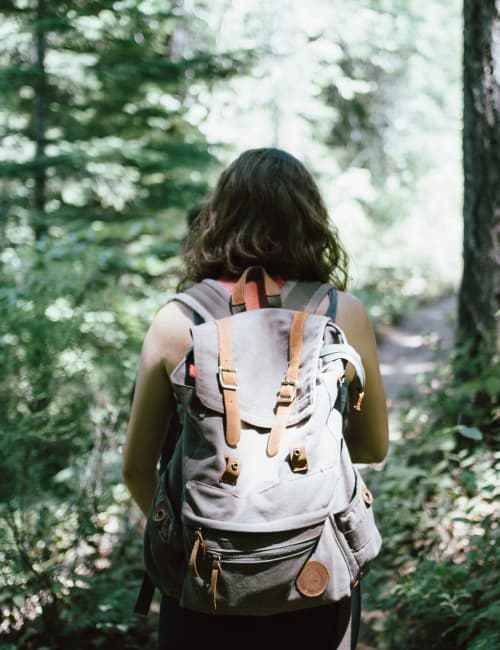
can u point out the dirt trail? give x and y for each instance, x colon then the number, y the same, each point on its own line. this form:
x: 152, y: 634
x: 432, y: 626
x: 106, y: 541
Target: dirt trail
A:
x: 416, y: 346
x: 407, y: 351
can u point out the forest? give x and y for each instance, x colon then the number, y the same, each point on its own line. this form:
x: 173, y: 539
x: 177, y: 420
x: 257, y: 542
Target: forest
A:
x: 116, y: 119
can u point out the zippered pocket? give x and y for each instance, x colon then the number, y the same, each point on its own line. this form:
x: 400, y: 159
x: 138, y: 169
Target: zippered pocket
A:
x: 251, y: 573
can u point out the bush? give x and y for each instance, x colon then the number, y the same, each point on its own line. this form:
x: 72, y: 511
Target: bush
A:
x: 436, y: 583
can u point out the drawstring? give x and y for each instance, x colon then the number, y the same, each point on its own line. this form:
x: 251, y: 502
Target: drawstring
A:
x: 198, y: 543
x: 214, y: 575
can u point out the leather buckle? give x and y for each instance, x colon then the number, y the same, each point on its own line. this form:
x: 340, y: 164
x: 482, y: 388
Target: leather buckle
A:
x: 287, y: 399
x: 225, y: 384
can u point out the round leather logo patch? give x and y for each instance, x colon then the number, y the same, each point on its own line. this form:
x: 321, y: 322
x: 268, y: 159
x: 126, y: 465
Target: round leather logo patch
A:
x: 313, y: 580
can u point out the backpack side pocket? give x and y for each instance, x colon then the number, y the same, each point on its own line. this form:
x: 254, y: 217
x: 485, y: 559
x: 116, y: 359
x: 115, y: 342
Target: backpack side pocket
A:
x: 164, y: 556
x: 358, y: 534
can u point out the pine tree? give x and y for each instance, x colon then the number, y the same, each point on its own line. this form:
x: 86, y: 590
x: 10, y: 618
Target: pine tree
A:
x: 100, y: 162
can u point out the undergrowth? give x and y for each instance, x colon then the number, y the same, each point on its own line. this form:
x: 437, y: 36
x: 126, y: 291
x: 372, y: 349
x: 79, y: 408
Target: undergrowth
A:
x: 435, y: 584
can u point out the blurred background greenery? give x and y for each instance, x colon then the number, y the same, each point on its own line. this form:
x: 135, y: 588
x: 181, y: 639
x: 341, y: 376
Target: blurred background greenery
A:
x: 117, y: 117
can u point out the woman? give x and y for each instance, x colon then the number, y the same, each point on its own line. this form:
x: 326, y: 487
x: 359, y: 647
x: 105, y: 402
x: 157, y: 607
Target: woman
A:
x: 266, y: 210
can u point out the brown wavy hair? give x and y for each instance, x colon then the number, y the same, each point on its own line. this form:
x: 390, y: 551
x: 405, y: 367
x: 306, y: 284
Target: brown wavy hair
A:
x: 266, y: 210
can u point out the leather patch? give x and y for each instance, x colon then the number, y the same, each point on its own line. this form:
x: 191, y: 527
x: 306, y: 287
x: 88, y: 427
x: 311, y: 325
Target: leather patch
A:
x: 232, y: 471
x: 298, y: 459
x: 313, y: 579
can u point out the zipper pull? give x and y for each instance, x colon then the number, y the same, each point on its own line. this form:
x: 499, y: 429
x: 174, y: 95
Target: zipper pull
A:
x: 199, y: 544
x: 214, y: 575
x: 357, y: 406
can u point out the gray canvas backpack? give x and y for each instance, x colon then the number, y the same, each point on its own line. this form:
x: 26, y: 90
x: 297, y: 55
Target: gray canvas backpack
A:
x: 260, y: 510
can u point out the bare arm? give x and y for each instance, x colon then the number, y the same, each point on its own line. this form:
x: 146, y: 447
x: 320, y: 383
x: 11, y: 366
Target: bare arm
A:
x: 368, y: 432
x: 153, y: 405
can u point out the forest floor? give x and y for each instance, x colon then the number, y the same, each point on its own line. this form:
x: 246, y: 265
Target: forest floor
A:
x: 408, y: 351
x: 415, y: 347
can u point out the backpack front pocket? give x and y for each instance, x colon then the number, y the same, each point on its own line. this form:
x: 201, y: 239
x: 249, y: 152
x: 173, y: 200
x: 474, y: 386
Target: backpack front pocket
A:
x: 252, y: 574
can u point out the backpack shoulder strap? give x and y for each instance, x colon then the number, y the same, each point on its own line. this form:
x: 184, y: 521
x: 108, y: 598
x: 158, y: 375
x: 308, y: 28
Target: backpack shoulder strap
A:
x: 317, y: 297
x: 211, y: 301
x: 308, y: 295
x: 207, y: 298
x: 295, y: 295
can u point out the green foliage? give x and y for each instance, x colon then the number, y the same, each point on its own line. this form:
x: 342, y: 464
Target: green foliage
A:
x: 390, y: 293
x: 451, y: 603
x: 100, y: 160
x: 436, y: 581
x: 104, y: 147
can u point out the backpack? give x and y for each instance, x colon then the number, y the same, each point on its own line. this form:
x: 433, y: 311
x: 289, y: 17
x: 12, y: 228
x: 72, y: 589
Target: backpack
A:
x: 259, y: 509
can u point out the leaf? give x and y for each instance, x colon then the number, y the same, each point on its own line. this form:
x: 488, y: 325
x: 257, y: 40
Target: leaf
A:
x: 19, y: 601
x: 469, y: 432
x: 492, y: 385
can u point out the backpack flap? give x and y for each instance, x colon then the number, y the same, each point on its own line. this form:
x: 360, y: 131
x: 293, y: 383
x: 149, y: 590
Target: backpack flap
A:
x: 260, y: 342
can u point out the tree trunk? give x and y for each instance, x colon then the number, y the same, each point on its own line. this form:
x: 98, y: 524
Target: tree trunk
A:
x: 39, y: 354
x: 479, y: 296
x: 39, y: 124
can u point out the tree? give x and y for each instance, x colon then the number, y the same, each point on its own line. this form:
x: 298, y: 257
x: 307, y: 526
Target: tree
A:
x: 100, y: 159
x: 479, y: 296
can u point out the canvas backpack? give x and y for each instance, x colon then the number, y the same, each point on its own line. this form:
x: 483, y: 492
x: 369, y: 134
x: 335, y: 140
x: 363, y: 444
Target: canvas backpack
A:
x: 260, y: 509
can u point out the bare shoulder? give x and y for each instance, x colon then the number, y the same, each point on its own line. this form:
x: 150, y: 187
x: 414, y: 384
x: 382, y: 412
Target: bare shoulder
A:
x: 368, y: 430
x: 169, y: 336
x: 352, y: 316
x: 349, y: 302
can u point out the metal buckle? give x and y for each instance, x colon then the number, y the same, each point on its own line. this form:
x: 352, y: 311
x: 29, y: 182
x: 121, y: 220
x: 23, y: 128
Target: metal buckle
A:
x: 284, y: 399
x: 224, y: 384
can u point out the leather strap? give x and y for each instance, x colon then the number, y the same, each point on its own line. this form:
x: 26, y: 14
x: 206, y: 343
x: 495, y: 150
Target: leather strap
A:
x: 193, y: 557
x: 228, y: 382
x: 272, y: 290
x: 214, y: 575
x: 288, y: 388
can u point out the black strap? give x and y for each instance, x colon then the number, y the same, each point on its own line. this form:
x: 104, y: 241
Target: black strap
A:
x: 331, y: 312
x: 145, y: 597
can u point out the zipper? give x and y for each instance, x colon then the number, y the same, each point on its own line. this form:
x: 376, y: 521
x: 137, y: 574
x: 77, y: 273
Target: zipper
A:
x: 221, y: 557
x: 241, y: 557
